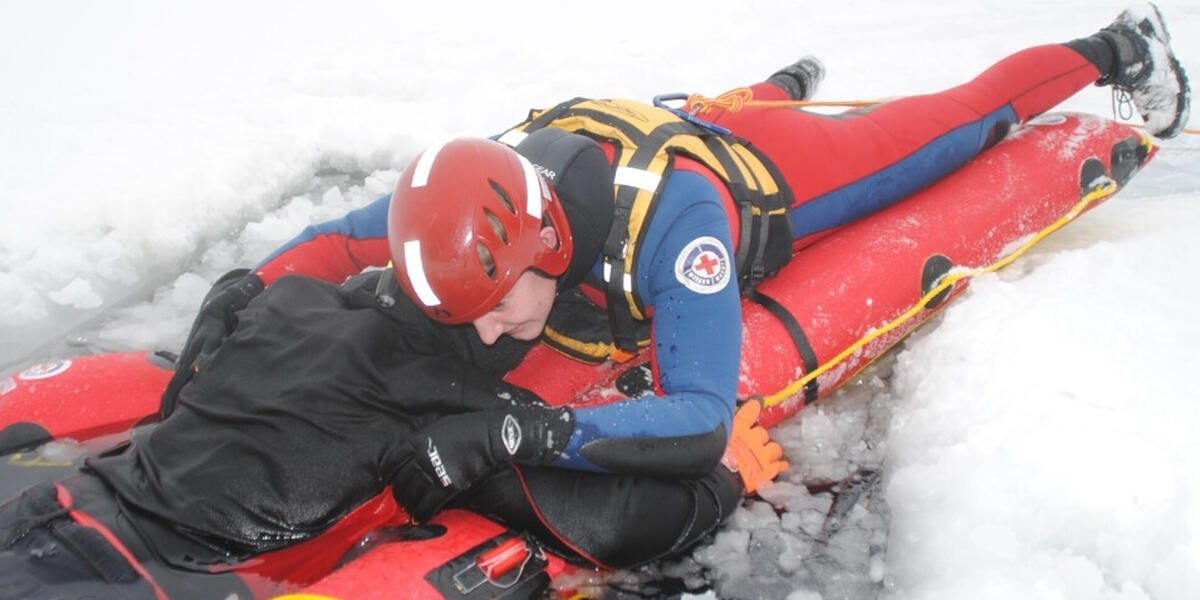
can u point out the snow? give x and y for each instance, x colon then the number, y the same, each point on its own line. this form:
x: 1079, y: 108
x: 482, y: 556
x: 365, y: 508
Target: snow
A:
x: 1037, y: 440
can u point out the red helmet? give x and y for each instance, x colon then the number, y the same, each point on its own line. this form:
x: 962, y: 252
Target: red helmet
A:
x: 464, y: 223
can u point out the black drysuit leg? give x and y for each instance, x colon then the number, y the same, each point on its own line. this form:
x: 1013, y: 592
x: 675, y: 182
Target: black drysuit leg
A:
x: 614, y: 521
x: 45, y: 554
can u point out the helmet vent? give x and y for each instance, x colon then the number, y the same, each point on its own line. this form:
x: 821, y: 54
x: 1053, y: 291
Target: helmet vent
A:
x: 496, y: 225
x: 504, y: 197
x: 486, y: 260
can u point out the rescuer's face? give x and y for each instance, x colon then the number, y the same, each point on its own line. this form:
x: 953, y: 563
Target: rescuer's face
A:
x: 522, y: 313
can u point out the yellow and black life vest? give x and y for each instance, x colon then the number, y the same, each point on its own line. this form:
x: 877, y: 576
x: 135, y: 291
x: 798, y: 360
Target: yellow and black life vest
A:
x: 646, y: 140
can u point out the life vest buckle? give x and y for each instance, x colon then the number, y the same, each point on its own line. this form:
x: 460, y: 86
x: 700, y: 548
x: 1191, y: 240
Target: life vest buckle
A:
x: 661, y: 102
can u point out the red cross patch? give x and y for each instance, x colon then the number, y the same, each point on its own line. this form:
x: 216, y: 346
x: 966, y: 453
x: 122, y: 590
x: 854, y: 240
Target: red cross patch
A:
x: 703, y: 265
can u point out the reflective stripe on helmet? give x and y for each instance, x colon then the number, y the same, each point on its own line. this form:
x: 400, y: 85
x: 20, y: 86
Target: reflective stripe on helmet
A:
x: 533, y: 189
x: 425, y: 165
x: 416, y: 274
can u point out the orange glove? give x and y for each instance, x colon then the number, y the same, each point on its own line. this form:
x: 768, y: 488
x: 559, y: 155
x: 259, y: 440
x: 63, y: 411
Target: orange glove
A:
x: 751, y: 453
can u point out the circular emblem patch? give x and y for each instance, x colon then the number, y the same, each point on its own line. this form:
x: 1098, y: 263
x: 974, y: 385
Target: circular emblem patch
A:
x: 703, y: 266
x: 45, y: 370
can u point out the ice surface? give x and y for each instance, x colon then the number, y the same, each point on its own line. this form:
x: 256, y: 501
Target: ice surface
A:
x: 1038, y: 441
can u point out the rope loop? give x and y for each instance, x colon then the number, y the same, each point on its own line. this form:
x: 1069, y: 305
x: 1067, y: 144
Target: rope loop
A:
x: 732, y: 101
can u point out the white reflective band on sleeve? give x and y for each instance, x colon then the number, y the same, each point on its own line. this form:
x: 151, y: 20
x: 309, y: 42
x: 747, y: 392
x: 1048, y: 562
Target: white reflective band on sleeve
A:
x: 425, y: 164
x: 533, y: 189
x: 626, y: 281
x: 637, y: 178
x: 416, y: 274
x: 512, y: 137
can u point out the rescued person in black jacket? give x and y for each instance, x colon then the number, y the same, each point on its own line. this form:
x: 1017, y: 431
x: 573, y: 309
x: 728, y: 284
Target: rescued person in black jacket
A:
x: 302, y: 405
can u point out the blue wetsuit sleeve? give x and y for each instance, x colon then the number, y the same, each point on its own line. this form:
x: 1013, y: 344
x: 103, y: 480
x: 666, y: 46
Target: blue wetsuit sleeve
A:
x: 333, y: 250
x: 697, y: 329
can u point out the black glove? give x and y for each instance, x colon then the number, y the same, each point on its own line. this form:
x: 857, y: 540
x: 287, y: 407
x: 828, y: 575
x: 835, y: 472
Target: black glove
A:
x: 448, y: 455
x: 216, y: 320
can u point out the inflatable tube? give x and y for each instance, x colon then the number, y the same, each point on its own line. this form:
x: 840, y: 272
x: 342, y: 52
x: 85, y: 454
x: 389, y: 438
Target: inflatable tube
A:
x: 837, y: 306
x: 81, y: 398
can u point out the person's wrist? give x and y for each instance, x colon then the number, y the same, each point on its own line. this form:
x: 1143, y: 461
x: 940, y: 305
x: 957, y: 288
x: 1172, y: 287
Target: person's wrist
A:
x: 532, y: 435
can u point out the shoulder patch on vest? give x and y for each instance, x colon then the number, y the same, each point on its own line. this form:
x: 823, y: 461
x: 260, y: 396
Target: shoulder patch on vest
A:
x: 703, y: 266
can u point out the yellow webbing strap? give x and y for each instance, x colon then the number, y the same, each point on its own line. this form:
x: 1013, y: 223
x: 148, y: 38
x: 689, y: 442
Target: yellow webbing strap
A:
x: 1099, y: 191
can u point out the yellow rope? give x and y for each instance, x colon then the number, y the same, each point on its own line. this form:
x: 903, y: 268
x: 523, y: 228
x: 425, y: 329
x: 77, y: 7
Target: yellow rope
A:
x: 303, y: 597
x: 1103, y: 190
x: 1142, y: 126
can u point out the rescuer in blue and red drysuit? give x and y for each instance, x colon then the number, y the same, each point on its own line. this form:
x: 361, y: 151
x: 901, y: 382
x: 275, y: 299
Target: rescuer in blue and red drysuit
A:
x: 696, y: 217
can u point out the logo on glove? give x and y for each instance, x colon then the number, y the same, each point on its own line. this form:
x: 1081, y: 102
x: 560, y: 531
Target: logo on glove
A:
x: 439, y: 467
x: 510, y: 432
